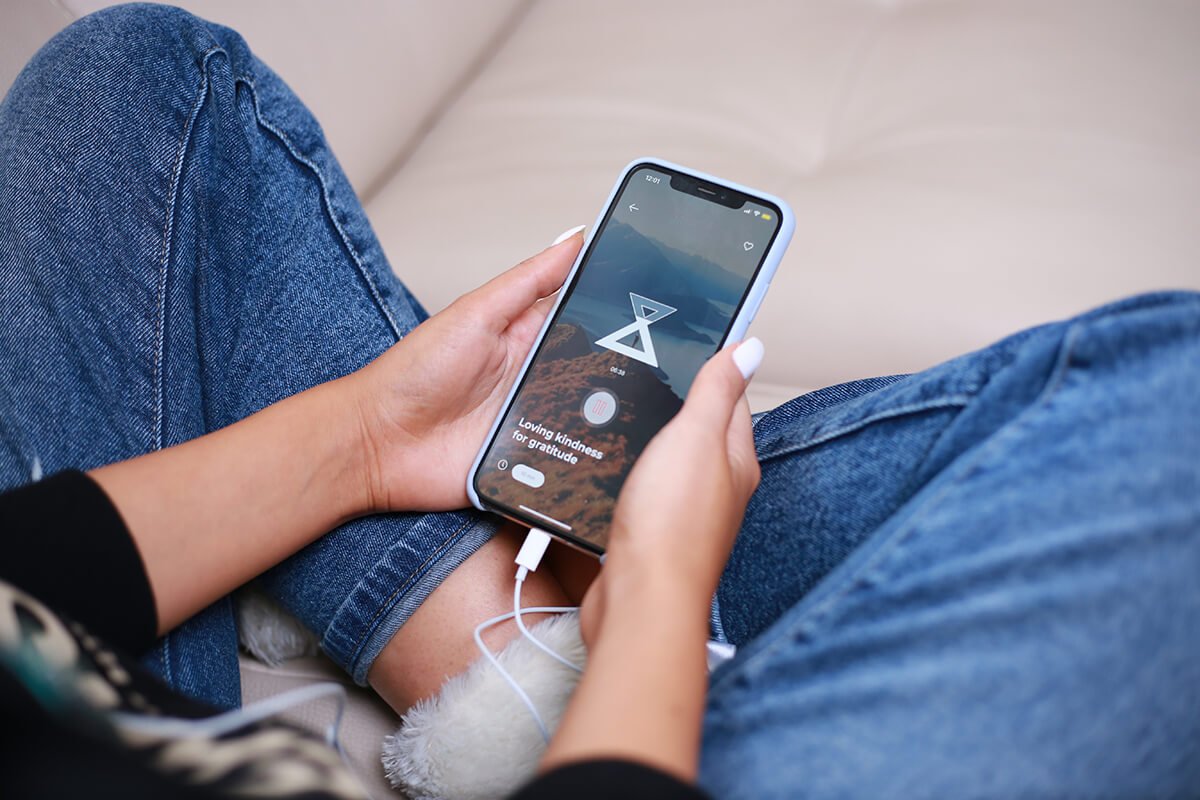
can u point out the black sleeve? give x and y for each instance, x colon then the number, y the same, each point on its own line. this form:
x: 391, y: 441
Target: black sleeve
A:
x: 64, y: 542
x: 603, y: 780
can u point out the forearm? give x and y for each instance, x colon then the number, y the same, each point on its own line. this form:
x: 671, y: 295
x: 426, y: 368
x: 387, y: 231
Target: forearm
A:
x: 642, y: 695
x: 210, y: 514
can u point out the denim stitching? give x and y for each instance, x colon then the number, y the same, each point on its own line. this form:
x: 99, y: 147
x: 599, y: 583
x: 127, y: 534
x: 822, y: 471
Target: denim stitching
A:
x: 164, y: 659
x: 1053, y: 384
x: 404, y: 586
x: 157, y: 387
x: 383, y: 308
x: 329, y: 208
x: 899, y: 538
x: 952, y: 401
x: 160, y: 321
x: 165, y: 255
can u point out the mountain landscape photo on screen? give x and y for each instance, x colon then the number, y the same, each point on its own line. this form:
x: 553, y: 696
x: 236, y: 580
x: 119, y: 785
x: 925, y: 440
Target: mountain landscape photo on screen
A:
x: 653, y: 300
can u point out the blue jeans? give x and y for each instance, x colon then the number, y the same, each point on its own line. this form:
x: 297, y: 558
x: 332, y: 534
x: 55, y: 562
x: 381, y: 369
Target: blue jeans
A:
x: 982, y: 580
x: 179, y: 249
x: 978, y: 580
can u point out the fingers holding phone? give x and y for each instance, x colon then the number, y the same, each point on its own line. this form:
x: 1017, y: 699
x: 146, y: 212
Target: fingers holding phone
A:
x: 718, y: 398
x: 426, y: 402
x: 680, y: 509
x: 676, y: 266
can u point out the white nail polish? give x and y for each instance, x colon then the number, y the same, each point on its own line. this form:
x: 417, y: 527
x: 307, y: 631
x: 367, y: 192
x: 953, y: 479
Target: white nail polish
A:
x: 748, y: 356
x: 562, y: 237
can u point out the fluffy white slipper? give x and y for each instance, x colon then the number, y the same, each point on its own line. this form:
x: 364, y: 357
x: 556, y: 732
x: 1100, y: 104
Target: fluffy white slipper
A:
x: 475, y: 739
x: 269, y: 633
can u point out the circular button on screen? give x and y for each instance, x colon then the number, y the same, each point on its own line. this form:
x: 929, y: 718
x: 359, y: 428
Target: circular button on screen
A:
x: 599, y: 408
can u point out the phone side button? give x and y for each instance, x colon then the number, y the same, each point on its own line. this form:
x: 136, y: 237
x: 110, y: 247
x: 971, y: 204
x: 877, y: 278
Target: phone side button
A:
x: 528, y: 476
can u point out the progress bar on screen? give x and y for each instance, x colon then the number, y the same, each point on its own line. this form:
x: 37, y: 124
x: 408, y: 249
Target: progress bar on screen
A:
x: 540, y: 515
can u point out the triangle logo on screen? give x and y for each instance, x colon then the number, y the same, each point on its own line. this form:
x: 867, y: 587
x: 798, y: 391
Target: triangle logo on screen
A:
x: 645, y: 312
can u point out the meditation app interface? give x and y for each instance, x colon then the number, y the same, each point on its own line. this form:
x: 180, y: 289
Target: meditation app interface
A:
x: 654, y: 298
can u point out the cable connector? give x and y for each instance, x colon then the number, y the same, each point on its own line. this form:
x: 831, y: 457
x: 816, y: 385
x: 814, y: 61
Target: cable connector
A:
x: 527, y: 560
x: 530, y: 555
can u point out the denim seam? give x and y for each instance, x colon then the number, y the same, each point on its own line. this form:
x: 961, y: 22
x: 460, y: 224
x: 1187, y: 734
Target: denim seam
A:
x: 896, y: 540
x: 400, y: 590
x: 716, y: 628
x: 951, y: 401
x: 158, y: 387
x: 329, y: 207
x: 331, y: 215
x: 160, y: 323
x: 395, y: 614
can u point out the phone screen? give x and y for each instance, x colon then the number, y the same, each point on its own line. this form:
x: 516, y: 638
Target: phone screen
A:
x: 653, y: 299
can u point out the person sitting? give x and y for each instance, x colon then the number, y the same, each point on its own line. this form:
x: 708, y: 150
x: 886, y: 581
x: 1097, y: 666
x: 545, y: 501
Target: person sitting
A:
x: 975, y: 580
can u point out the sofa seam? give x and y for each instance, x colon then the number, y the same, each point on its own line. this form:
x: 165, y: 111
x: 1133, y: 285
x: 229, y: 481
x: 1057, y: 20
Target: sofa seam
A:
x: 492, y: 47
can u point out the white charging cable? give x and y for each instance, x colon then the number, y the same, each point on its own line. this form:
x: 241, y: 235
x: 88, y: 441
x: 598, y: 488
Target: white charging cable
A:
x: 527, y: 560
x: 528, y: 634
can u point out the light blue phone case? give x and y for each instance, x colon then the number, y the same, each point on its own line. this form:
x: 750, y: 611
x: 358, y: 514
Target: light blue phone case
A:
x: 754, y: 298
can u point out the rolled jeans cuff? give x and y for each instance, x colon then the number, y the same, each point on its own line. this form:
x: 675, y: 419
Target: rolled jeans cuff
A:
x: 392, y: 590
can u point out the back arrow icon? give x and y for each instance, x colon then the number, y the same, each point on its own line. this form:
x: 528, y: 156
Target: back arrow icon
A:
x: 633, y: 207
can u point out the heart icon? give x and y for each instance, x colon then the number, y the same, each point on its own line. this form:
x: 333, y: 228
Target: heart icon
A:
x: 748, y: 246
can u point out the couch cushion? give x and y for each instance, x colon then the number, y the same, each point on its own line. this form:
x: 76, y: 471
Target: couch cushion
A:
x: 27, y: 24
x: 959, y: 170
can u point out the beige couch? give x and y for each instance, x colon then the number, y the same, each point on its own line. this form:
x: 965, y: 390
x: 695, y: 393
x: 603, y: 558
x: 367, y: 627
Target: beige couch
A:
x: 959, y: 168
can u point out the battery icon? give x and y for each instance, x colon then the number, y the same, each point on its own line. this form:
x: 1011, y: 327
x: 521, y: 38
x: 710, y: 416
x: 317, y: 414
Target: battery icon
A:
x: 766, y: 216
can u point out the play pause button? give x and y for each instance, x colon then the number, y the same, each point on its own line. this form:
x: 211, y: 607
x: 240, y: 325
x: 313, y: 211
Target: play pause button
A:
x: 599, y: 408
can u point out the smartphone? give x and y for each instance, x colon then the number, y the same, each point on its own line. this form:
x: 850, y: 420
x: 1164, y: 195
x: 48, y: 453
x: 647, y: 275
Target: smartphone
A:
x: 674, y: 268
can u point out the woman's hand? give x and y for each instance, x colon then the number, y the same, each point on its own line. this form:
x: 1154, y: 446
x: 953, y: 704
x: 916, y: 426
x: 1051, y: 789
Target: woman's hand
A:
x: 683, y: 502
x: 426, y: 404
x: 645, y: 618
x: 398, y: 434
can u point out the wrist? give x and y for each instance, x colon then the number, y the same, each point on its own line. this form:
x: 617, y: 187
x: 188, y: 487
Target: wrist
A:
x: 341, y: 450
x: 636, y: 589
x: 642, y: 695
x: 649, y: 564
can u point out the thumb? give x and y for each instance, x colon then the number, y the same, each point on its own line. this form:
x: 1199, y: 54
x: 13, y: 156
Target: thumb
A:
x: 722, y: 382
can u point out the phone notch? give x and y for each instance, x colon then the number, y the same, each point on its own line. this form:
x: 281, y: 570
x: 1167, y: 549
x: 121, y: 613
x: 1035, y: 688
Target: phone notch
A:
x: 712, y: 192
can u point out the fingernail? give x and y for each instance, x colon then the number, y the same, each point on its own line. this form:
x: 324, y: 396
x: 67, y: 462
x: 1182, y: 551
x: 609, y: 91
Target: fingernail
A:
x: 562, y: 237
x: 748, y: 356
